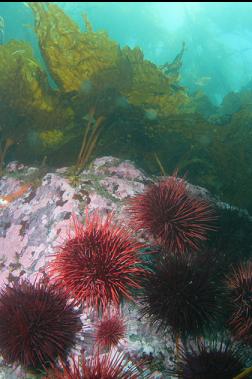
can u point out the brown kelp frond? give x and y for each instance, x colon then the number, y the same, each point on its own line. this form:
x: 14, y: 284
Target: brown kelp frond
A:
x: 90, y: 139
x: 3, y: 151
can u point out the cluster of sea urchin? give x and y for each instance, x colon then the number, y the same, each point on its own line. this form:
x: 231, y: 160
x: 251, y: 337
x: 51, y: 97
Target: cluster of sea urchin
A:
x: 99, y: 265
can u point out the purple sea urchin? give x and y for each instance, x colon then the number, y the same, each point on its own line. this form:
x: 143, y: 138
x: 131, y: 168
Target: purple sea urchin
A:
x: 210, y: 361
x: 181, y: 294
x: 37, y: 324
x: 240, y: 285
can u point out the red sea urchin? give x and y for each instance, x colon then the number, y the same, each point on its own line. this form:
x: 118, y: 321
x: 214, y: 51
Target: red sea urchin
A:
x: 171, y: 215
x: 107, y: 366
x: 240, y: 285
x: 99, y: 264
x: 37, y: 324
x: 110, y: 330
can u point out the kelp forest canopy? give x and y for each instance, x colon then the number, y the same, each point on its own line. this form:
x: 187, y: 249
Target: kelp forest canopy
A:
x: 108, y: 100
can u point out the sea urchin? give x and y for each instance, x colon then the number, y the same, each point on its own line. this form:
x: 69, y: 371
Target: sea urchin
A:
x: 181, y: 294
x: 217, y: 360
x: 240, y: 285
x: 106, y: 366
x: 37, y: 324
x: 99, y: 264
x: 109, y: 330
x: 171, y: 215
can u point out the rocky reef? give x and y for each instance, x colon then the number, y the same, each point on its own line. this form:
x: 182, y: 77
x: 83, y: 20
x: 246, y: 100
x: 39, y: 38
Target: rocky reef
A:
x: 36, y: 216
x: 36, y: 209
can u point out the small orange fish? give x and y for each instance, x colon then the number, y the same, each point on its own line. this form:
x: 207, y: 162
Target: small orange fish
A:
x: 5, y: 200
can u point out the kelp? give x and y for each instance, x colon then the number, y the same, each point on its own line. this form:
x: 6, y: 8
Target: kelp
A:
x: 173, y: 69
x: 150, y: 118
x: 3, y: 151
x: 28, y: 106
x: 151, y: 87
x: 72, y: 56
x: 236, y: 101
x: 22, y: 92
x: 90, y: 138
x: 200, y: 103
x: 75, y: 58
x: 231, y: 154
x: 22, y: 81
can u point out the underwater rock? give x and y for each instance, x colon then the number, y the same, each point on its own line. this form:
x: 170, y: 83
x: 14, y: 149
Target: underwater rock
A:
x: 35, y: 221
x: 15, y: 166
x: 113, y: 166
x: 37, y: 214
x: 34, y: 218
